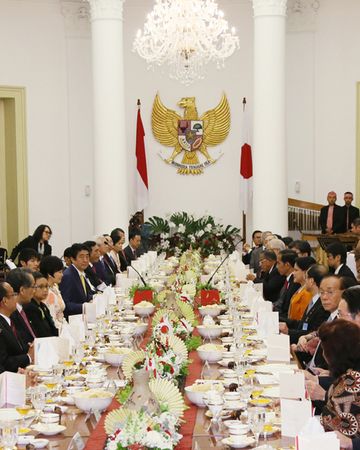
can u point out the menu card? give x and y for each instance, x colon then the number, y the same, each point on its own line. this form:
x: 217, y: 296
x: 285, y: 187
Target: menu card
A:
x: 292, y: 385
x: 323, y: 441
x: 268, y: 323
x: 278, y: 347
x: 50, y: 351
x: 294, y: 415
x: 12, y: 389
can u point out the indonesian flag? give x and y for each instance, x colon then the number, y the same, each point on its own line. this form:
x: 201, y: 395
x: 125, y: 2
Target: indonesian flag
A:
x: 246, y: 168
x: 142, y: 185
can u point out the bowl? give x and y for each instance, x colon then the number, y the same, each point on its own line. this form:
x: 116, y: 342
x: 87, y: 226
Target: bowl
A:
x: 195, y: 393
x: 116, y: 356
x: 144, y: 311
x: 140, y: 328
x: 238, y: 429
x: 210, y: 352
x: 212, y: 331
x: 93, y: 400
x: 210, y: 310
x: 49, y: 418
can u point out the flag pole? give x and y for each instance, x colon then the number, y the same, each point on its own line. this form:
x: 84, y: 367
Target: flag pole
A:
x: 243, y: 214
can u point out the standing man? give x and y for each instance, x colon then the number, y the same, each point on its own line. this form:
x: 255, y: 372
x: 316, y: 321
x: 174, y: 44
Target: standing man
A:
x: 332, y: 216
x: 350, y: 212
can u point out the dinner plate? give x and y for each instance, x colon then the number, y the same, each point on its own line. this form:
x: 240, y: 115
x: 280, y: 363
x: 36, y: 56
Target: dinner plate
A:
x: 37, y: 443
x: 48, y: 429
x: 272, y: 392
x: 239, y: 441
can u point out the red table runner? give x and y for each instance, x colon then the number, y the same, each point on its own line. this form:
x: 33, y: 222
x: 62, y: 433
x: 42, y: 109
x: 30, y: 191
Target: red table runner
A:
x: 98, y: 437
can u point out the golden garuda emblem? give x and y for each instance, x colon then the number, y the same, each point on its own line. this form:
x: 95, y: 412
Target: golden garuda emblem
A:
x: 190, y: 134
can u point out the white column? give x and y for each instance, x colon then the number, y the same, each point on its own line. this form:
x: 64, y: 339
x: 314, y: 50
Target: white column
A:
x: 269, y: 153
x: 110, y: 162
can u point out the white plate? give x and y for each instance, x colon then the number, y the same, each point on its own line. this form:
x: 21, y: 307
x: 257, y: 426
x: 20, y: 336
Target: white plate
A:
x: 273, y: 392
x: 37, y: 443
x: 239, y: 442
x: 48, y: 429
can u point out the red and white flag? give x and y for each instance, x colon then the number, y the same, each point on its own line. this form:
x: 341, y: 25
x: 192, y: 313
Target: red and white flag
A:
x: 142, y: 184
x: 246, y: 167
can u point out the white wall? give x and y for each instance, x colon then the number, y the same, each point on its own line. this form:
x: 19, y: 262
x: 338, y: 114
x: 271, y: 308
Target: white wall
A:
x: 323, y: 68
x: 38, y: 52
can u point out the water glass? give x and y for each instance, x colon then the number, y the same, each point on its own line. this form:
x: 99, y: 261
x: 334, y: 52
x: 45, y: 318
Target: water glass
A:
x: 257, y: 420
x: 9, y: 434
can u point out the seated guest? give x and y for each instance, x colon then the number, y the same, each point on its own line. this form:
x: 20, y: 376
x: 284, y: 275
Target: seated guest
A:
x: 267, y: 240
x: 341, y: 346
x: 302, y: 297
x: 52, y: 268
x: 255, y: 254
x: 350, y: 212
x: 123, y: 261
x: 302, y: 248
x: 29, y: 259
x: 115, y: 251
x: 39, y: 242
x: 270, y: 277
x: 22, y: 282
x: 309, y: 348
x: 336, y: 258
x: 67, y: 257
x: 276, y: 245
x: 13, y: 355
x: 37, y: 312
x: 74, y: 287
x: 247, y: 249
x: 355, y: 226
x: 331, y: 219
x: 106, y: 267
x: 132, y: 250
x: 95, y: 280
x: 287, y: 240
x: 285, y: 266
x: 314, y: 314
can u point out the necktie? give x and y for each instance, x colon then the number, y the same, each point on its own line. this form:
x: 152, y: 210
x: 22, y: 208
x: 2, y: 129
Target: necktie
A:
x: 347, y: 219
x: 25, y: 319
x: 13, y: 329
x: 330, y: 218
x: 94, y: 269
x: 82, y: 278
x: 286, y: 285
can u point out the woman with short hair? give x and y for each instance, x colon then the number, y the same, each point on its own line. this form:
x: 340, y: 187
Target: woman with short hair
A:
x: 52, y: 268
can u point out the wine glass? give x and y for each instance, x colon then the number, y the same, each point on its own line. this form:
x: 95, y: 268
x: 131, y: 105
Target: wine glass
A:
x: 38, y: 399
x: 256, y: 422
x: 23, y: 410
x: 9, y: 434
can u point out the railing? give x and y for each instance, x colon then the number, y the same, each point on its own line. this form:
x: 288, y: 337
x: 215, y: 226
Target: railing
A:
x: 303, y: 216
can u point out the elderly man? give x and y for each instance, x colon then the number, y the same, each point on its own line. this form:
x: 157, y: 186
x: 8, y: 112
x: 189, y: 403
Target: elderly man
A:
x: 255, y: 254
x: 331, y: 218
x: 106, y: 267
x: 350, y: 212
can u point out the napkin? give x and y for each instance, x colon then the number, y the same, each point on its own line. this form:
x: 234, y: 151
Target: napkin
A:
x: 268, y: 323
x: 12, y: 389
x: 312, y: 436
x: 49, y: 351
x: 65, y: 333
x: 294, y: 415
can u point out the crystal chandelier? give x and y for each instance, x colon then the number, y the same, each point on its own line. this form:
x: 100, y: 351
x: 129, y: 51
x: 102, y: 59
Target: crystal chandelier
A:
x: 186, y: 35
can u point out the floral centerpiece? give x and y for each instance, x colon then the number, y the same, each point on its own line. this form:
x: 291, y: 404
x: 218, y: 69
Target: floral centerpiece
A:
x: 181, y: 231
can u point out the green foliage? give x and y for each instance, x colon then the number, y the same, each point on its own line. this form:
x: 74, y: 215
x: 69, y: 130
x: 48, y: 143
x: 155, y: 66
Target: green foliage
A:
x: 123, y: 394
x: 158, y: 225
x: 139, y: 287
x: 193, y: 342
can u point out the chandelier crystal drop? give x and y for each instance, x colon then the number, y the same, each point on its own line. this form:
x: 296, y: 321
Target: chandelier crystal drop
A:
x: 186, y: 35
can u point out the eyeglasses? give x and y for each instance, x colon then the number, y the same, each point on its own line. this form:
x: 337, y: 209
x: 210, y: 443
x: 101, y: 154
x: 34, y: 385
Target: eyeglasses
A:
x: 328, y: 292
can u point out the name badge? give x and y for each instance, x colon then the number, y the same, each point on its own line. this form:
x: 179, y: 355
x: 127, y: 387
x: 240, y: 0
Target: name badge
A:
x: 305, y: 326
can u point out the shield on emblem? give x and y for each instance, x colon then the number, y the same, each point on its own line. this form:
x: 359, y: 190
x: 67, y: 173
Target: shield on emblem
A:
x: 190, y: 134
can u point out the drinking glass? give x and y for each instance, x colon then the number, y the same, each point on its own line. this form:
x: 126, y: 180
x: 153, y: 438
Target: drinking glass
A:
x: 9, y: 434
x: 256, y: 422
x: 38, y: 399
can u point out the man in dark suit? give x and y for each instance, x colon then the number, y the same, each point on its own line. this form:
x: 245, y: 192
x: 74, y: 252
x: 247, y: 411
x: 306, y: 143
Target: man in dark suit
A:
x: 336, y: 259
x: 132, y: 250
x: 331, y: 218
x: 350, y: 212
x: 247, y: 250
x: 23, y: 283
x: 106, y: 267
x: 255, y: 254
x: 270, y: 278
x: 12, y: 354
x: 91, y: 271
x: 285, y: 265
x: 74, y: 286
x: 315, y: 314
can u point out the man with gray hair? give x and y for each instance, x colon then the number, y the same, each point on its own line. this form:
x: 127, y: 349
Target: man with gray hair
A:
x: 255, y: 254
x: 276, y: 245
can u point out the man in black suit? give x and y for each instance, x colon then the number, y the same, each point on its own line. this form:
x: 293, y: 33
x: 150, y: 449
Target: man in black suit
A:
x: 270, y: 278
x: 315, y: 314
x: 285, y: 265
x: 350, y: 212
x: 255, y: 254
x: 331, y: 218
x: 12, y: 353
x: 132, y: 250
x: 91, y: 272
x: 247, y: 250
x: 336, y: 259
x: 106, y: 267
x: 23, y: 283
x: 74, y: 286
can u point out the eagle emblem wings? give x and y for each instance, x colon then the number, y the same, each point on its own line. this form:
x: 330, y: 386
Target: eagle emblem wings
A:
x: 190, y: 134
